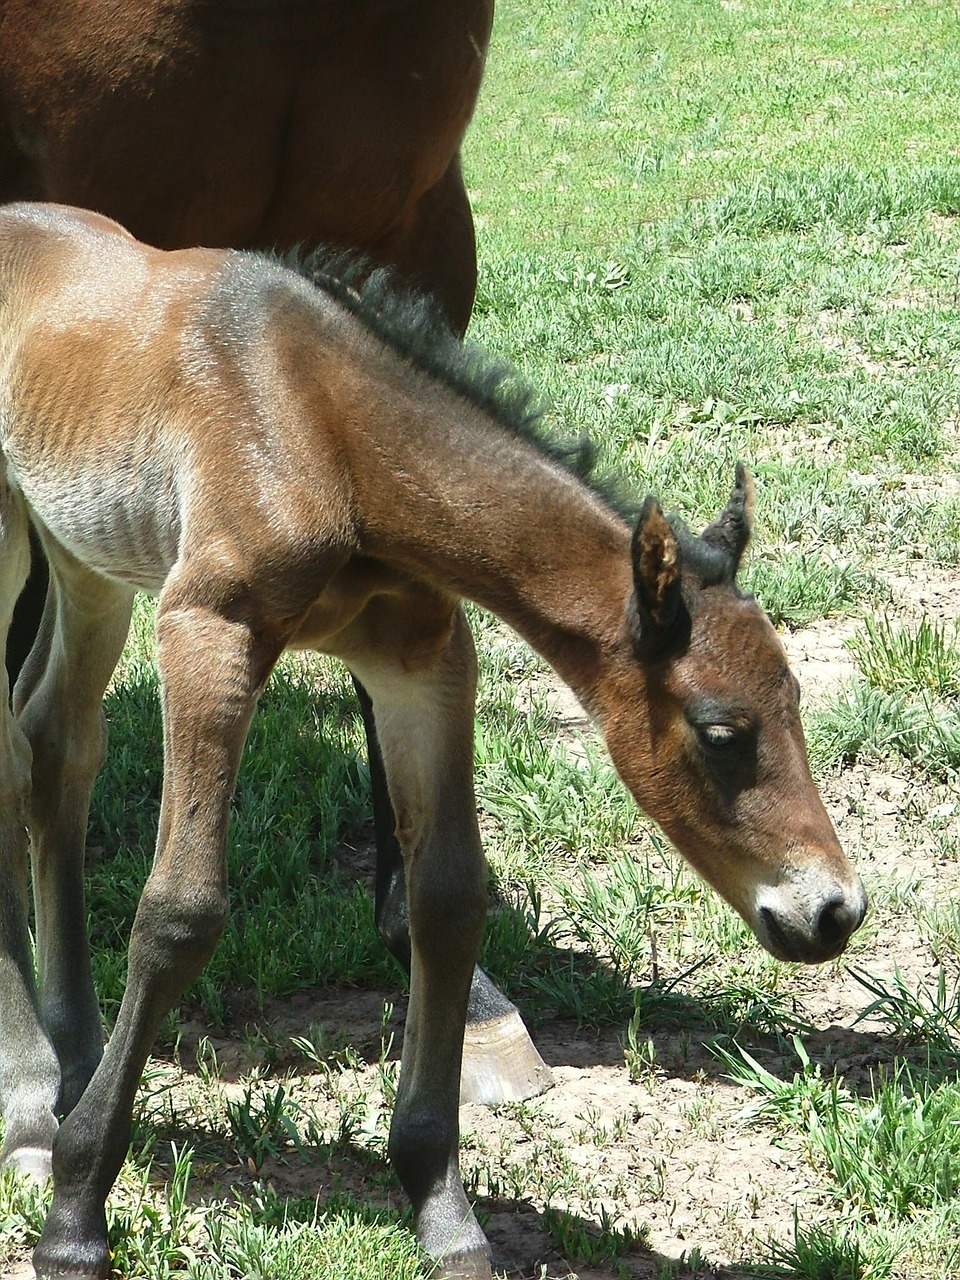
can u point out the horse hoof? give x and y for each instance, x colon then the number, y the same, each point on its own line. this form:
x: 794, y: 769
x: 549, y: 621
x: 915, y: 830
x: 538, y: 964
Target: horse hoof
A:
x: 501, y: 1064
x: 31, y: 1163
x: 474, y: 1265
x: 51, y: 1269
x: 65, y: 1251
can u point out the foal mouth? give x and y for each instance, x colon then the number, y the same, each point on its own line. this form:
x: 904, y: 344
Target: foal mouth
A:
x: 836, y: 921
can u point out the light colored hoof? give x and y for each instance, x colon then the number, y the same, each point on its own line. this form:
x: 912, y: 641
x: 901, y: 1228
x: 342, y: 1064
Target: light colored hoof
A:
x: 474, y: 1265
x: 32, y: 1163
x: 501, y: 1064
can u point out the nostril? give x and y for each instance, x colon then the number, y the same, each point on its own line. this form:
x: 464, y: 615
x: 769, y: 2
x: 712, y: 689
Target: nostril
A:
x: 838, y: 918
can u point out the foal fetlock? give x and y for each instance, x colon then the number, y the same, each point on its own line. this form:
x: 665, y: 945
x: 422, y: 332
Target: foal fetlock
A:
x: 424, y: 1155
x: 28, y: 1143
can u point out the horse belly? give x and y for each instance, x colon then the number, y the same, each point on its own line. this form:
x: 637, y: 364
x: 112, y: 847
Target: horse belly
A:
x: 321, y: 122
x: 123, y: 523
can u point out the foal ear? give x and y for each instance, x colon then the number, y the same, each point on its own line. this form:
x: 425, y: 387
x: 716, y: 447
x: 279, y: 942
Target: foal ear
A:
x: 656, y: 573
x: 731, y: 530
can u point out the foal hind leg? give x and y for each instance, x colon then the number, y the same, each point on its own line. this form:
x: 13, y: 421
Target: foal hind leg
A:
x: 29, y: 1070
x: 58, y: 705
x: 28, y: 611
x: 212, y: 670
x: 423, y: 701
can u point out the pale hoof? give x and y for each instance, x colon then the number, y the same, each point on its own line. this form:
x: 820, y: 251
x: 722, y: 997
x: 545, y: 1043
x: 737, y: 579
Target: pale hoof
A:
x: 474, y: 1265
x: 501, y: 1064
x: 33, y: 1163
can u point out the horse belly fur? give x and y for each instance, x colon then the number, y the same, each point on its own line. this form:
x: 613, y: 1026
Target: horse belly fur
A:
x: 121, y: 519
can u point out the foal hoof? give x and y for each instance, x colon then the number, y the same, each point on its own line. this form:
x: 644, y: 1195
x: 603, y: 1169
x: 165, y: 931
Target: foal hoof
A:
x: 31, y: 1163
x: 500, y: 1064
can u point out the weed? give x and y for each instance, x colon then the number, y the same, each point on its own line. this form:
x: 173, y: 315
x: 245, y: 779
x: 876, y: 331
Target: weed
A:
x: 867, y: 723
x: 788, y: 1104
x: 640, y: 1054
x: 899, y: 1151
x: 600, y: 1245
x: 820, y: 1252
x: 263, y: 1124
x: 924, y: 658
x: 916, y: 1016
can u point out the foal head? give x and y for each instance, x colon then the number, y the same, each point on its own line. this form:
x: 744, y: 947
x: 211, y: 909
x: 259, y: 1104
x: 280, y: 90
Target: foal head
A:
x: 719, y: 759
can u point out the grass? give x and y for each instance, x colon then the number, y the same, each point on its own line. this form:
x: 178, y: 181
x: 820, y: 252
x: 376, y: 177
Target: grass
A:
x: 708, y: 232
x: 904, y: 702
x: 890, y: 1157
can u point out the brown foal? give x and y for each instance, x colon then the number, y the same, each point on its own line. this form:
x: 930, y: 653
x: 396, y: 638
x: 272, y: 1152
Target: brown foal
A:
x: 292, y: 466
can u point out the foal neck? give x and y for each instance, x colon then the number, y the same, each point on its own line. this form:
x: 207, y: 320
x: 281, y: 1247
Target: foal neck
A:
x: 457, y: 500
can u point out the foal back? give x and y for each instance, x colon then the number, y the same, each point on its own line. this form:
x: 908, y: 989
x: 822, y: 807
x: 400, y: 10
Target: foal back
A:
x: 140, y: 400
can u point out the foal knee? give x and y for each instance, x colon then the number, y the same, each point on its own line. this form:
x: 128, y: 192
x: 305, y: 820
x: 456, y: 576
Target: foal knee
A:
x: 447, y: 914
x: 177, y: 928
x: 422, y: 1148
x: 64, y: 764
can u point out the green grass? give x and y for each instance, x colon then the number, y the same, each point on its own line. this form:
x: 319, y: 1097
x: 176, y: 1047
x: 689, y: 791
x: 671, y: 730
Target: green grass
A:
x: 904, y: 703
x: 891, y: 1158
x: 818, y: 1252
x: 901, y: 659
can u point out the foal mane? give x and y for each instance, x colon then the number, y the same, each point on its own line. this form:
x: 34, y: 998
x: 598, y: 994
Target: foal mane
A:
x: 416, y: 327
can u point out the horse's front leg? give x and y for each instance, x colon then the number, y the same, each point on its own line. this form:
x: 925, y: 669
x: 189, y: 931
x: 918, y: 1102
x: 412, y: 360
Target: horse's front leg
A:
x: 500, y: 1061
x: 212, y: 670
x: 424, y: 719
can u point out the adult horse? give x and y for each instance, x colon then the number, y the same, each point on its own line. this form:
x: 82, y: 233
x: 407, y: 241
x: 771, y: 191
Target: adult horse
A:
x: 268, y: 124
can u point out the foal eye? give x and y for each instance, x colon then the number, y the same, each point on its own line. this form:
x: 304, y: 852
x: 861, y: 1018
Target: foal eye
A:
x: 717, y: 736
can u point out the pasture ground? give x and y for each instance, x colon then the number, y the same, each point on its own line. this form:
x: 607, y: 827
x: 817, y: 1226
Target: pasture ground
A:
x: 709, y: 231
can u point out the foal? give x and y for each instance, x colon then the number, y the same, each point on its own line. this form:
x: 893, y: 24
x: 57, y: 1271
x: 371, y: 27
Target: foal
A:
x: 288, y: 468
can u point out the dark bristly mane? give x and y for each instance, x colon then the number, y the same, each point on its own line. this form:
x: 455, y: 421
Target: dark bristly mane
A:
x: 415, y: 326
x: 710, y: 564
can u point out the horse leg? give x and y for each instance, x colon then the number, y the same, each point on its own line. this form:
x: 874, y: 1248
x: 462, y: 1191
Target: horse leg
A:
x: 424, y: 720
x: 500, y: 1061
x: 58, y: 705
x: 212, y: 670
x: 29, y: 1070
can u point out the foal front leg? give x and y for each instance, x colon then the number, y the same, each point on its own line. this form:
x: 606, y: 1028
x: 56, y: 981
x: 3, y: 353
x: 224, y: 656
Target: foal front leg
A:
x: 424, y: 719
x: 212, y: 670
